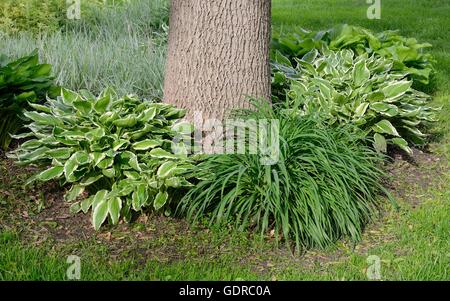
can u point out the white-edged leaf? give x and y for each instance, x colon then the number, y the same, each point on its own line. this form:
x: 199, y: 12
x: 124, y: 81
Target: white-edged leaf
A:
x: 51, y: 173
x: 146, y: 144
x: 74, y: 193
x: 385, y: 127
x: 160, y: 200
x: 114, y: 207
x: 380, y: 143
x: 100, y: 214
x: 167, y: 169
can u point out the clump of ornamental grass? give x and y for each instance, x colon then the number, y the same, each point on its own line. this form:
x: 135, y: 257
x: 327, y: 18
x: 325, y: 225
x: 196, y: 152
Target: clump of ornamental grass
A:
x: 324, y: 185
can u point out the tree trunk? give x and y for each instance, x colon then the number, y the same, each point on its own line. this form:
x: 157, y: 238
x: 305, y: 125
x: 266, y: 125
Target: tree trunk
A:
x: 218, y: 55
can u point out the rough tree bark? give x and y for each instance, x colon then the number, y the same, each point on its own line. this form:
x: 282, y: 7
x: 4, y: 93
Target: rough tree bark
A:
x: 218, y: 54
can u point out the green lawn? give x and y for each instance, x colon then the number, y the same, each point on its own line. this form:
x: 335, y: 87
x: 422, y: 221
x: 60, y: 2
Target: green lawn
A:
x: 412, y: 244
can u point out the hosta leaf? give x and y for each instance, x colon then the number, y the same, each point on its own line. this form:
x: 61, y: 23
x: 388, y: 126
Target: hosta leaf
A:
x: 139, y: 197
x: 95, y: 134
x: 97, y: 157
x: 74, y: 193
x: 397, y: 89
x: 361, y: 73
x: 114, y: 207
x: 361, y: 109
x: 125, y: 122
x: 402, y: 144
x: 75, y: 208
x: 43, y: 119
x: 83, y: 106
x: 86, y: 204
x: 70, y: 166
x: 106, y: 163
x: 69, y: 96
x: 167, y: 169
x: 109, y: 173
x: 35, y: 155
x: 122, y: 143
x: 41, y: 108
x: 385, y: 127
x: 103, y: 104
x: 100, y: 196
x: 60, y: 153
x: 160, y: 200
x: 146, y: 144
x: 174, y: 182
x: 132, y: 160
x: 148, y: 115
x: 132, y: 175
x: 31, y: 144
x: 51, y: 173
x: 100, y: 214
x: 415, y: 131
x: 91, y: 180
x: 380, y: 143
x: 82, y: 157
x: 162, y: 154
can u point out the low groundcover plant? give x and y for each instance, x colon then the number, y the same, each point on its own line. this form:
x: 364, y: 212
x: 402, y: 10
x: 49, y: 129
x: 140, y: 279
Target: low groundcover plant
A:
x: 119, y: 149
x: 325, y: 184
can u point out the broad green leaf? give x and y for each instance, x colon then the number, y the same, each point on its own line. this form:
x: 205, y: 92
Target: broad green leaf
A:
x: 43, y: 119
x: 160, y: 200
x: 114, y: 207
x: 91, y: 180
x: 95, y: 134
x: 380, y: 143
x: 132, y: 160
x: 83, y: 106
x: 51, y: 173
x: 162, y: 154
x: 60, y: 153
x: 106, y: 163
x: 402, y: 144
x: 109, y: 173
x: 125, y: 122
x: 86, y: 204
x: 69, y: 96
x: 99, y: 197
x: 102, y: 104
x: 132, y: 175
x: 41, y: 108
x: 139, y: 197
x: 385, y: 127
x: 361, y: 73
x: 148, y: 115
x: 120, y: 144
x: 74, y: 193
x: 70, y: 166
x: 146, y: 144
x: 75, y: 208
x: 361, y: 109
x: 397, y: 89
x: 97, y: 157
x: 167, y: 169
x: 100, y: 214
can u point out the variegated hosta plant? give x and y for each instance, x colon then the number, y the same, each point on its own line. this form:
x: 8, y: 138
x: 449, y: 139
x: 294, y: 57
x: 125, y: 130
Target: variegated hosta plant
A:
x: 362, y: 90
x: 121, y: 150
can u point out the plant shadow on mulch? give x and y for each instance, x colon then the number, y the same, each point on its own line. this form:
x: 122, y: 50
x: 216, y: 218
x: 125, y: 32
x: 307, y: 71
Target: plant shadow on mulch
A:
x: 40, y: 214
